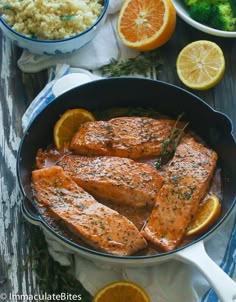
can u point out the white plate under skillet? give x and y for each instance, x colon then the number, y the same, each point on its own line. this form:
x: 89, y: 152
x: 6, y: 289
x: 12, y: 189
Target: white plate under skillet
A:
x: 182, y: 12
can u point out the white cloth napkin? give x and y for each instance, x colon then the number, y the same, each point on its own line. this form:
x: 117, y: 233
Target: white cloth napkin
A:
x: 171, y: 281
x: 168, y: 282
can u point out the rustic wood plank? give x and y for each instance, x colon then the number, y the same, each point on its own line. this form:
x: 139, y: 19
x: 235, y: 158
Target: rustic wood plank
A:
x: 13, y: 248
x: 223, y: 96
x: 22, y: 246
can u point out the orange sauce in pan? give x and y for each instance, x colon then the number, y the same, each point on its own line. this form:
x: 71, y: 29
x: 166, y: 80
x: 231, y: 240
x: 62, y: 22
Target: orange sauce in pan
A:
x: 138, y: 216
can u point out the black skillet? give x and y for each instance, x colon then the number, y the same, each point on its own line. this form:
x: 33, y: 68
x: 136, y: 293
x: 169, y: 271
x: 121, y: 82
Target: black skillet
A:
x: 213, y: 127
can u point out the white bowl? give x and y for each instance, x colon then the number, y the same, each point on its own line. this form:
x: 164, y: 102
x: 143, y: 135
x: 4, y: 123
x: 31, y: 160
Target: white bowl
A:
x: 182, y: 12
x: 54, y: 47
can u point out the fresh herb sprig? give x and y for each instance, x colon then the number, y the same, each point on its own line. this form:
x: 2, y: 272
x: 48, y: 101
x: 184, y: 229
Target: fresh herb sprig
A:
x: 142, y: 64
x: 170, y: 144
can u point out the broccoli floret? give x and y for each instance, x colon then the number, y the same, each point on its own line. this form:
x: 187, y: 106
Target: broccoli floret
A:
x: 201, y: 12
x: 233, y: 6
x: 220, y: 2
x: 199, y: 2
x: 190, y: 2
x: 222, y: 17
x: 218, y: 14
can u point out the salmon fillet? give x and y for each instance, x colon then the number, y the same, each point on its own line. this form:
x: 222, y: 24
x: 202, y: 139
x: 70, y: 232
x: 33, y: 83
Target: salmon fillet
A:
x: 187, y: 182
x: 132, y: 137
x: 120, y: 180
x: 99, y: 226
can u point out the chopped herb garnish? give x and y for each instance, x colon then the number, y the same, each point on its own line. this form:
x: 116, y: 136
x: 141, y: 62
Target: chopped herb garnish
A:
x: 67, y: 18
x: 187, y: 195
x: 81, y: 206
x: 33, y: 35
x: 6, y: 6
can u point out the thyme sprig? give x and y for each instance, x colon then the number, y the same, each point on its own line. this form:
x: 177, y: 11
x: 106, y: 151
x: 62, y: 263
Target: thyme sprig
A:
x: 142, y: 64
x: 170, y: 144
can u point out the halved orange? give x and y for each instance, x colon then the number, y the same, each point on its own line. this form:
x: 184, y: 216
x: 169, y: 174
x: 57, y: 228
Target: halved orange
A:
x: 205, y: 217
x: 68, y: 125
x: 201, y: 64
x: 146, y: 24
x: 121, y: 291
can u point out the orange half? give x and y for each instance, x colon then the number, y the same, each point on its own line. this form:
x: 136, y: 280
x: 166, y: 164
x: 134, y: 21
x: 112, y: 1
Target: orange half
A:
x: 146, y: 24
x: 121, y: 291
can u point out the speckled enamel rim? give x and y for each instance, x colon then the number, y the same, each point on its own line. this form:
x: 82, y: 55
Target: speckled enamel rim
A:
x: 40, y: 221
x: 105, y: 7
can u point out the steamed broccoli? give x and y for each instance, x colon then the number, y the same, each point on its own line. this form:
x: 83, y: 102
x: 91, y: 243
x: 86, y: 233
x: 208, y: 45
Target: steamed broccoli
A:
x: 201, y: 12
x: 190, y: 2
x: 223, y: 18
x: 219, y: 14
x: 216, y: 2
x: 233, y: 6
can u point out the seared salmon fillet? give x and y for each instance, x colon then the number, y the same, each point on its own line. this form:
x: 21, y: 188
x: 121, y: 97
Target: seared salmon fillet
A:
x: 120, y: 180
x: 99, y: 226
x: 187, y: 182
x: 132, y: 137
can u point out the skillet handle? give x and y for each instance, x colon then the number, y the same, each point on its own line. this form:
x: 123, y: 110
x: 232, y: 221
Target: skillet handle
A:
x: 30, y: 212
x: 223, y: 285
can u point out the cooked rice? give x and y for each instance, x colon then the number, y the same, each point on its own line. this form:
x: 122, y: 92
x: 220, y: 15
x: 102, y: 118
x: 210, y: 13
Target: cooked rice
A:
x: 50, y: 19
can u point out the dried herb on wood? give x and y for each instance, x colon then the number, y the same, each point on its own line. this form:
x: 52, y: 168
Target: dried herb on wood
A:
x: 144, y: 64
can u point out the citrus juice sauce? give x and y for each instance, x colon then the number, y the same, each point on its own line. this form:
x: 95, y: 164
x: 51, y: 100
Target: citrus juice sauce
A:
x: 138, y: 215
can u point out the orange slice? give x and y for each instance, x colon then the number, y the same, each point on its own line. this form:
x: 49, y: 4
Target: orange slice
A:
x: 200, y: 65
x: 121, y: 291
x: 205, y: 217
x: 68, y: 124
x: 146, y: 24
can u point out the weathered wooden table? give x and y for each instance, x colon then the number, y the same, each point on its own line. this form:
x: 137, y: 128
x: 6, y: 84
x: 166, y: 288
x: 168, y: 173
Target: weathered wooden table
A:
x: 25, y: 265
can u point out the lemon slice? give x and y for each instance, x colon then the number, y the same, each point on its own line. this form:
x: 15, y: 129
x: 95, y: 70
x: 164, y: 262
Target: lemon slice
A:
x: 205, y: 217
x: 200, y: 65
x: 68, y: 125
x: 121, y: 291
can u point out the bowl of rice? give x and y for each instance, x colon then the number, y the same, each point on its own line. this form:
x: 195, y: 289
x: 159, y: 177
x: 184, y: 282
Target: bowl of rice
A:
x: 52, y: 27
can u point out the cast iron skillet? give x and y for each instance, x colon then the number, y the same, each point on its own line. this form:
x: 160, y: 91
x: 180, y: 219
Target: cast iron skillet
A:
x: 214, y: 127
